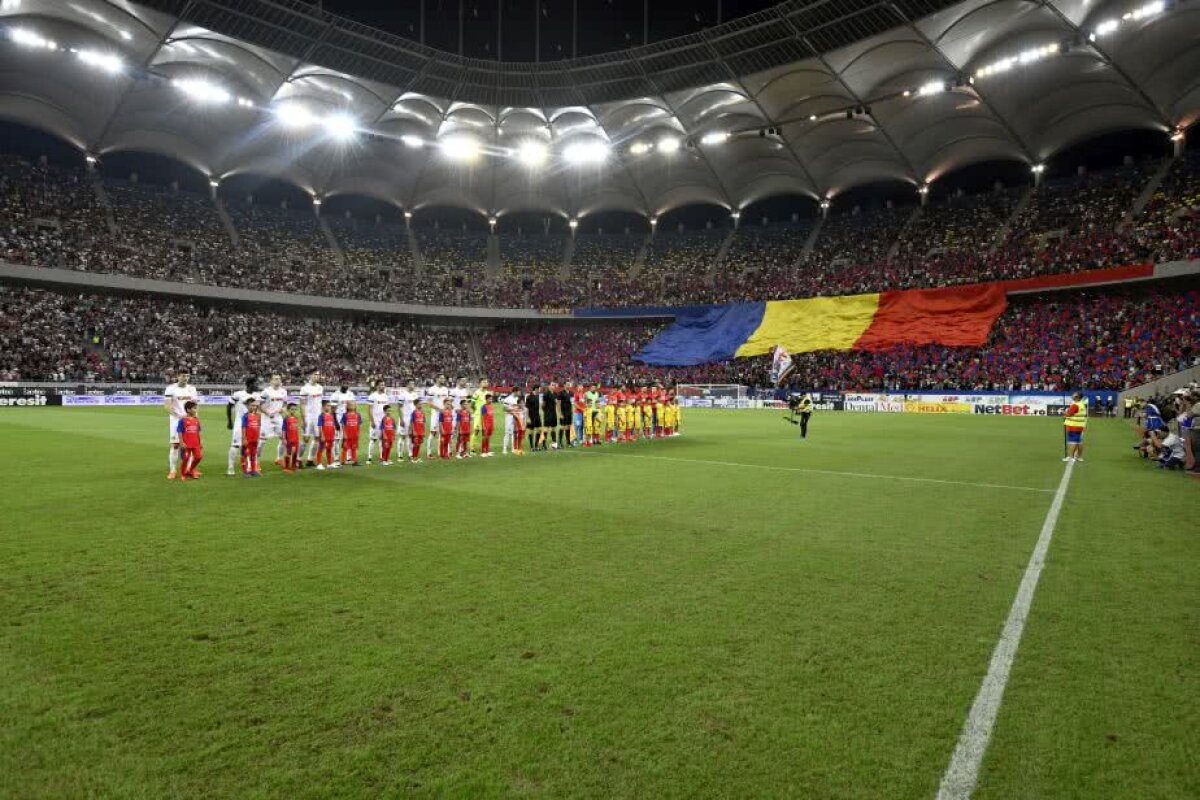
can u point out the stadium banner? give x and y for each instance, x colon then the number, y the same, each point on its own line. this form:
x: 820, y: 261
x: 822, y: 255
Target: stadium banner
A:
x: 959, y: 316
x: 933, y: 407
x: 22, y: 397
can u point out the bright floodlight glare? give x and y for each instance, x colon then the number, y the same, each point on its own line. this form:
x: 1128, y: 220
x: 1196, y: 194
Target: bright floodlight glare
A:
x: 1106, y: 27
x: 294, y: 115
x: 933, y: 87
x: 585, y: 152
x: 639, y: 148
x: 1038, y: 168
x: 340, y: 126
x: 716, y: 137
x: 126, y: 35
x: 532, y: 153
x: 202, y: 91
x: 105, y: 62
x: 460, y: 148
x: 668, y: 144
x: 414, y: 142
x: 573, y: 224
x: 27, y: 38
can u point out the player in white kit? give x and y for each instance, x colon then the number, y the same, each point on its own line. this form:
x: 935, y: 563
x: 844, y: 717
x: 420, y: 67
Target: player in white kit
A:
x: 174, y: 396
x: 408, y: 397
x: 513, y: 408
x: 274, y: 398
x: 339, y: 399
x: 377, y: 399
x: 234, y: 411
x: 312, y: 394
x: 437, y: 401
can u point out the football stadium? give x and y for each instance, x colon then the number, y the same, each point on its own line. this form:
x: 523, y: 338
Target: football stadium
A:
x: 600, y: 399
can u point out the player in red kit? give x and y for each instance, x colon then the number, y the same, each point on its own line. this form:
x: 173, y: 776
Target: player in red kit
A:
x: 487, y: 424
x: 464, y: 429
x: 189, y: 442
x: 351, y: 425
x: 251, y: 423
x: 446, y: 429
x: 387, y: 436
x: 327, y: 429
x: 291, y: 438
x: 416, y: 433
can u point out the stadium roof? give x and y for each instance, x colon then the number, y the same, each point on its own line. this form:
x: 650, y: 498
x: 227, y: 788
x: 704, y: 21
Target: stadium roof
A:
x: 816, y: 97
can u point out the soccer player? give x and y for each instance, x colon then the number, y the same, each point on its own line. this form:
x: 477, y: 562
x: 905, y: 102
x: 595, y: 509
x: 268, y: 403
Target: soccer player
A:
x: 487, y: 425
x: 513, y: 406
x: 416, y: 434
x: 464, y: 428
x: 478, y: 401
x: 611, y: 400
x: 312, y: 394
x: 251, y: 425
x: 386, y: 434
x: 351, y: 423
x: 378, y: 401
x: 175, y: 397
x: 291, y: 438
x: 408, y: 397
x: 446, y: 428
x: 578, y: 411
x: 327, y: 429
x: 437, y: 401
x: 339, y: 399
x: 189, y: 441
x: 235, y: 409
x: 273, y: 399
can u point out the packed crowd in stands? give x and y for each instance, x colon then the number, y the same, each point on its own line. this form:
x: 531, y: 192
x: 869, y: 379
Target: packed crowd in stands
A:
x: 50, y: 336
x: 53, y: 216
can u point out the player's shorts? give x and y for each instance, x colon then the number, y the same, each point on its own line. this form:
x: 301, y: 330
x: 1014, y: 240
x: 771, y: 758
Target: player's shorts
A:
x: 272, y: 427
x: 1074, y: 437
x: 173, y: 434
x: 549, y: 421
x: 535, y: 422
x: 310, y: 427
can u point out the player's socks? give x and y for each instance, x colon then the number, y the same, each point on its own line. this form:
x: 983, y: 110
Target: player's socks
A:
x: 233, y: 455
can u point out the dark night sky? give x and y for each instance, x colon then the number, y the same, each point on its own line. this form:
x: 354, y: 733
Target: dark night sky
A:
x: 603, y: 25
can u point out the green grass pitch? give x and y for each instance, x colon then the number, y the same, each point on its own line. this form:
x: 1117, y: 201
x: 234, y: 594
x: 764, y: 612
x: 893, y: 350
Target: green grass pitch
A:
x: 733, y: 613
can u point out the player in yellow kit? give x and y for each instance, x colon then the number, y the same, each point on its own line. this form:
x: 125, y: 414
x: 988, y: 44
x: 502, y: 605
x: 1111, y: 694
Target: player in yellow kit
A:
x: 610, y: 418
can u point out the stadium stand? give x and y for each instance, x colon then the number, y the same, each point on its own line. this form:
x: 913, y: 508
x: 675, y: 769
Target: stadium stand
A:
x: 372, y: 243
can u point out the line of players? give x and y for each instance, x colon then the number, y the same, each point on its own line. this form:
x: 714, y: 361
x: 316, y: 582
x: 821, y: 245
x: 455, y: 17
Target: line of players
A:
x: 457, y: 422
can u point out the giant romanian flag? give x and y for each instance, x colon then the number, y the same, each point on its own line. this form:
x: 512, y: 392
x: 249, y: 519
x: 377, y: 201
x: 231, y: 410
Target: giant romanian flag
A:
x: 958, y: 316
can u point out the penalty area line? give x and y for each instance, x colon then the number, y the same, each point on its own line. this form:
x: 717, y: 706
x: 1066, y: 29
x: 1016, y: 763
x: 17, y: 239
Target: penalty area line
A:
x: 961, y: 776
x: 814, y: 471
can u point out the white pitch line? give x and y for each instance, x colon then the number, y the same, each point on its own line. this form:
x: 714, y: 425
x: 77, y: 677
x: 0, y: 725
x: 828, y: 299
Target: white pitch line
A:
x: 959, y: 781
x: 873, y: 476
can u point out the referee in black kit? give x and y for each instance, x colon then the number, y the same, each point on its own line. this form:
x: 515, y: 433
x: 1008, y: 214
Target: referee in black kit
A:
x: 533, y: 413
x: 565, y: 395
x: 549, y: 415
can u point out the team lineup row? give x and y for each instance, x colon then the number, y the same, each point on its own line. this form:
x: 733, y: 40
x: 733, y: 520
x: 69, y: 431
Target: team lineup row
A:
x: 323, y: 431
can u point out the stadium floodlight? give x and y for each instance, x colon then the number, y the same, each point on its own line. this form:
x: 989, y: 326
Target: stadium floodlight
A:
x: 532, y: 153
x: 460, y: 148
x: 105, y: 62
x: 412, y: 142
x: 573, y: 224
x: 408, y: 215
x: 202, y: 91
x: 213, y: 183
x: 126, y: 35
x: 933, y: 87
x: 668, y: 144
x: 89, y: 158
x: 716, y: 137
x: 593, y: 152
x: 1148, y: 10
x: 27, y: 38
x: 294, y: 115
x: 1178, y: 134
x: 1106, y: 27
x: 340, y: 126
x: 1038, y: 169
x: 640, y: 148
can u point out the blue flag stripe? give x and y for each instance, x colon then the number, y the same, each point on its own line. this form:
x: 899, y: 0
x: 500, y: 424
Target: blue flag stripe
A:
x: 703, y: 335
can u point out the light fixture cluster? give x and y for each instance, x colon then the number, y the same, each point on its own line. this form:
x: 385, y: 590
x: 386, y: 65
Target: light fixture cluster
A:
x: 1024, y: 57
x: 668, y: 144
x: 1107, y: 26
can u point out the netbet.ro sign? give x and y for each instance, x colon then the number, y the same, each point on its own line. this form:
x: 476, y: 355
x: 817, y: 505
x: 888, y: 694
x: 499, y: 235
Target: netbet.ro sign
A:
x: 1007, y: 410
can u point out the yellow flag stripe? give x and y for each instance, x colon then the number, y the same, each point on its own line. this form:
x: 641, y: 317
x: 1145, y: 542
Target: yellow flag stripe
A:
x: 815, y: 323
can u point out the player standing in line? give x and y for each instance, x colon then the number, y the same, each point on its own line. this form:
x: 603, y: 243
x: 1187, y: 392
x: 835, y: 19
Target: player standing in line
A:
x: 478, y: 401
x: 464, y: 428
x: 446, y: 427
x: 546, y: 440
x: 533, y: 414
x: 660, y: 407
x: 594, y: 421
x: 407, y: 398
x: 611, y: 401
x: 437, y: 401
x: 578, y: 410
x: 511, y: 403
x: 327, y: 429
x: 351, y: 423
x: 235, y: 409
x: 377, y: 405
x: 189, y: 441
x: 386, y: 433
x: 251, y: 427
x: 487, y: 426
x: 273, y: 399
x: 339, y: 399
x: 312, y: 395
x: 174, y: 397
x: 291, y: 438
x: 416, y: 434
x: 566, y: 396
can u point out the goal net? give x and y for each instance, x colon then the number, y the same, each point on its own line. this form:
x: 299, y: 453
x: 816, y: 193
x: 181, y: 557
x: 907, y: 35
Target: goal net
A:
x: 713, y: 395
